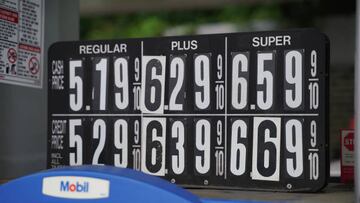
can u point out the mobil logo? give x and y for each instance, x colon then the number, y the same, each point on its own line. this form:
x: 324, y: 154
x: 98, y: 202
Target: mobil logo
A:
x: 76, y: 187
x: 349, y: 141
x: 67, y: 186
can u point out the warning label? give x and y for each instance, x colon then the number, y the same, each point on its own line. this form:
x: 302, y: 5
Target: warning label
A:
x: 21, y: 42
x: 12, y: 56
x: 347, y: 155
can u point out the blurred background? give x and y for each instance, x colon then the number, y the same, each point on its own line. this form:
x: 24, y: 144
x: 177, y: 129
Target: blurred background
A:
x: 113, y: 19
x: 23, y: 111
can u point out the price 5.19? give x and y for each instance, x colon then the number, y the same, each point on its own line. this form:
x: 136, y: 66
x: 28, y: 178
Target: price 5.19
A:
x: 100, y: 84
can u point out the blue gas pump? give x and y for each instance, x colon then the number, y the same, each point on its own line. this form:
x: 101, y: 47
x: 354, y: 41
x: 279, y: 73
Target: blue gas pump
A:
x: 98, y: 184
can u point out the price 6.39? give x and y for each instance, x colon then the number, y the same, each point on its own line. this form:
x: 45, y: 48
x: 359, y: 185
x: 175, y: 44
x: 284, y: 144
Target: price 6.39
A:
x: 265, y: 145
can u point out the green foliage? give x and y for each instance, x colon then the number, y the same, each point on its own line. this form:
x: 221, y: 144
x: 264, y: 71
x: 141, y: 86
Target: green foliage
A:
x: 154, y: 24
x: 267, y: 12
x: 150, y: 26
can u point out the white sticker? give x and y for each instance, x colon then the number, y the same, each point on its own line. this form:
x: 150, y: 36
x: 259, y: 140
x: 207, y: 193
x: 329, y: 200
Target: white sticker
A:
x: 153, y: 143
x: 76, y: 187
x: 266, y: 168
x: 153, y: 84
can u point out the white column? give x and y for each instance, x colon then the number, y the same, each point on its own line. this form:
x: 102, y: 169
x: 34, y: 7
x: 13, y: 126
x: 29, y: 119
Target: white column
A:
x: 357, y: 103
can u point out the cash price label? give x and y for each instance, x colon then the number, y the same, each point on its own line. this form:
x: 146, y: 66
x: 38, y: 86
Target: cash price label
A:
x: 240, y: 110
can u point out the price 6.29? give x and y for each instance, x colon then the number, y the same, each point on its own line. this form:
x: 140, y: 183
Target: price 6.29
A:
x: 149, y: 89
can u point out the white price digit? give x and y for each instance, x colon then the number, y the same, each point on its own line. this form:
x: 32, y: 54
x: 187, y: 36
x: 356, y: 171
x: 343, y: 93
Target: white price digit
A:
x: 202, y: 143
x: 314, y: 95
x: 313, y: 156
x: 313, y: 63
x: 219, y: 153
x: 220, y: 94
x: 75, y: 141
x: 136, y: 159
x: 177, y: 70
x: 99, y: 132
x: 313, y: 128
x: 293, y: 129
x: 314, y: 86
x: 76, y: 100
x: 314, y: 166
x: 137, y: 89
x: 102, y: 68
x: 178, y: 160
x: 239, y: 88
x: 202, y: 80
x: 238, y: 149
x: 219, y: 132
x: 136, y: 151
x: 220, y: 157
x: 265, y: 78
x: 219, y: 72
x: 136, y: 92
x: 219, y: 88
x: 121, y: 143
x: 294, y: 77
x: 137, y: 131
x: 137, y: 69
x: 121, y: 82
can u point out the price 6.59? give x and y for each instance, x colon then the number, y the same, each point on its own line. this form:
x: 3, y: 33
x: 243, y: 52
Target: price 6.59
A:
x: 149, y: 89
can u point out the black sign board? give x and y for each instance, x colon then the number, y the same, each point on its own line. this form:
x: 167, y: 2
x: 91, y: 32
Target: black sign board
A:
x: 240, y: 110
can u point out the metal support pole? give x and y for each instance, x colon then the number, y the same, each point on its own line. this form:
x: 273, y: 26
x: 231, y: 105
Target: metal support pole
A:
x: 357, y: 103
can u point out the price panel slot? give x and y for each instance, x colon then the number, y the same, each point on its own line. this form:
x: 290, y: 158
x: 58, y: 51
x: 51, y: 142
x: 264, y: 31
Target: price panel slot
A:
x: 240, y: 110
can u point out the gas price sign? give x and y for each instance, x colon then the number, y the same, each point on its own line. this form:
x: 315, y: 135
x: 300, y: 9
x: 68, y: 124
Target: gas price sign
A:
x: 241, y: 110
